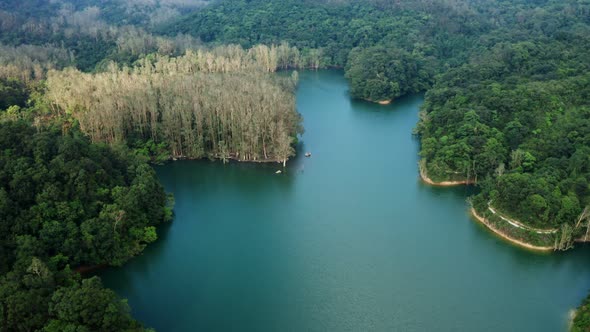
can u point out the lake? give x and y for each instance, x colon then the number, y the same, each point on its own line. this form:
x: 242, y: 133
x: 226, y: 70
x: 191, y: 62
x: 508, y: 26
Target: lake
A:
x: 347, y: 240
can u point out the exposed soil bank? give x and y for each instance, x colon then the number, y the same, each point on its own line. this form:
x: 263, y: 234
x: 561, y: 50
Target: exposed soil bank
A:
x: 426, y: 179
x: 570, y: 318
x: 380, y: 102
x: 505, y: 236
x: 484, y: 221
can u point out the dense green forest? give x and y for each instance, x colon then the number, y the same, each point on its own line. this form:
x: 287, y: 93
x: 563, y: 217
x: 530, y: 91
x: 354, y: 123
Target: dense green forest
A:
x: 89, y: 89
x: 389, y: 49
x: 66, y: 203
x: 515, y: 120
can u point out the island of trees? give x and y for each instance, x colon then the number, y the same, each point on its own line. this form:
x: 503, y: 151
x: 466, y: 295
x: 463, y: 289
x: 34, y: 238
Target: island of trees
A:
x: 91, y: 91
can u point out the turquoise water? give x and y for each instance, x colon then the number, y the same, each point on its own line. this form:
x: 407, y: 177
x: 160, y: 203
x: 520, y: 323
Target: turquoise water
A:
x: 347, y: 240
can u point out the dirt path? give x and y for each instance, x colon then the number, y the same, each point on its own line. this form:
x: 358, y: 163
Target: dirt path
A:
x: 484, y: 221
x: 520, y: 225
x: 505, y: 236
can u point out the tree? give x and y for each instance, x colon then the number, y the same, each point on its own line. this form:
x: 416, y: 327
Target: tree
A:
x: 87, y: 306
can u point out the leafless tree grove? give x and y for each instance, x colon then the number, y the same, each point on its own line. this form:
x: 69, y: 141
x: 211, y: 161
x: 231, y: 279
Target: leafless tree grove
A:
x: 221, y: 103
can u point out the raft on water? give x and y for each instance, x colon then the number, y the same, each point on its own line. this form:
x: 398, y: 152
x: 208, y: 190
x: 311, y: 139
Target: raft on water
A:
x: 278, y: 172
x: 308, y: 154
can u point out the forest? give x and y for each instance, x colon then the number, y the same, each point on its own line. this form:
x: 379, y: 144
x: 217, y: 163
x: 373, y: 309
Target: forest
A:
x: 84, y: 106
x: 66, y: 203
x: 515, y: 120
x: 90, y: 91
x: 221, y: 104
x: 388, y: 49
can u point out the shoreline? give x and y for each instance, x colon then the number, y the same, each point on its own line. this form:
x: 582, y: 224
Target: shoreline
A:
x: 429, y: 181
x: 505, y: 236
x: 380, y: 102
x: 514, y: 241
x: 572, y: 313
x: 228, y: 159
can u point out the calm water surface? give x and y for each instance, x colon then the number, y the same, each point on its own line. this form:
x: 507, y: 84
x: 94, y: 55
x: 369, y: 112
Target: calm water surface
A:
x: 347, y: 240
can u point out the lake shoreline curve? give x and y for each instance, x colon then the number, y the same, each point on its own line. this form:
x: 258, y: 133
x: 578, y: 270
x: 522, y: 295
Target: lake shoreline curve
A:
x: 427, y: 180
x: 380, y: 102
x: 505, y: 236
x: 482, y: 220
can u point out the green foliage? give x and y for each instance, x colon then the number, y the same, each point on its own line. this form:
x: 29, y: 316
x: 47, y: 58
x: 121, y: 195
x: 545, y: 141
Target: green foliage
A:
x: 519, y: 114
x: 507, y: 105
x: 389, y: 49
x: 39, y: 297
x: 384, y: 73
x: 157, y: 152
x: 12, y: 93
x: 87, y: 306
x: 86, y: 202
x: 65, y: 202
x: 581, y: 322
